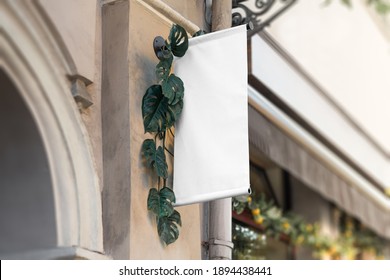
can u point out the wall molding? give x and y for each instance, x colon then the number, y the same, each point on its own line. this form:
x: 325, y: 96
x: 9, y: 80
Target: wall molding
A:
x: 31, y: 57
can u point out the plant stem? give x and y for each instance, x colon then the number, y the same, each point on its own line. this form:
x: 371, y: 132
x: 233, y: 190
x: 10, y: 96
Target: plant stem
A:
x: 163, y: 142
x: 169, y: 152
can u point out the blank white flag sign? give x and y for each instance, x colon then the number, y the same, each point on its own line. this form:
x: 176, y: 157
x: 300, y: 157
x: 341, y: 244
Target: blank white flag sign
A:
x: 211, y: 159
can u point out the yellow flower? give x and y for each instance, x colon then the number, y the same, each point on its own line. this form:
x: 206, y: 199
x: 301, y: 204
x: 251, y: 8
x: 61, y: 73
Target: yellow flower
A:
x: 286, y: 225
x: 348, y: 233
x: 309, y: 227
x: 249, y: 199
x: 259, y: 219
x: 256, y: 212
x: 324, y: 255
x: 300, y: 239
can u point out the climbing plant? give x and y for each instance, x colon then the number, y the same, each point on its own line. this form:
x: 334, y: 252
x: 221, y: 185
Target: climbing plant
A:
x: 161, y: 107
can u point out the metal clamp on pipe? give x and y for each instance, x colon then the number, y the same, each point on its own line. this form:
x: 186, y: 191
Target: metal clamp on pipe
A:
x: 214, y: 241
x: 220, y: 249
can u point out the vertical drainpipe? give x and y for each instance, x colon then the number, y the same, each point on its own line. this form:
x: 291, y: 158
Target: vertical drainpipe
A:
x: 220, y: 211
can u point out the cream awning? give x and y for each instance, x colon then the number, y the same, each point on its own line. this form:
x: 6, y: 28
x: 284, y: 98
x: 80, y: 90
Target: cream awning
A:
x: 342, y: 164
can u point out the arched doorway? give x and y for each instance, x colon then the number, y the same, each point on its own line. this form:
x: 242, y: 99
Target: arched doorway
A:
x: 35, y: 68
x: 27, y: 213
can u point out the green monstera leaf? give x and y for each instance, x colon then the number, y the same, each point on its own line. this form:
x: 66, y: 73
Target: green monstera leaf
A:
x: 173, y: 89
x: 154, y: 108
x: 163, y: 69
x: 155, y: 157
x: 177, y: 40
x: 157, y: 113
x: 160, y: 202
x: 174, y: 112
x: 162, y: 105
x: 148, y: 150
x: 160, y: 165
x: 167, y: 227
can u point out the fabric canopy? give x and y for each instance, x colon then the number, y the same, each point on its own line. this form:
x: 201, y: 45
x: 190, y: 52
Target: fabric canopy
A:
x: 211, y: 137
x: 296, y: 125
x: 267, y: 138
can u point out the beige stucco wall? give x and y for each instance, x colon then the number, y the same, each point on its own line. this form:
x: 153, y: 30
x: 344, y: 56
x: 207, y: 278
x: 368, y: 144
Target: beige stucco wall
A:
x: 190, y: 9
x: 77, y: 27
x: 76, y: 22
x: 144, y: 242
x: 114, y: 58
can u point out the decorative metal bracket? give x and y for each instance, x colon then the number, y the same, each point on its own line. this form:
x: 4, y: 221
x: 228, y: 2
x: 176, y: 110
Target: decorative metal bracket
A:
x: 260, y: 12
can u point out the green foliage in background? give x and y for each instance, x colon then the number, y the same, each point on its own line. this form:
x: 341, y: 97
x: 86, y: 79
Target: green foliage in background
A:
x: 354, y: 241
x: 382, y: 7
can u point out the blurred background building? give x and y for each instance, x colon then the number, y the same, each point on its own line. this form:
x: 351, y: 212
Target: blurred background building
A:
x: 72, y: 183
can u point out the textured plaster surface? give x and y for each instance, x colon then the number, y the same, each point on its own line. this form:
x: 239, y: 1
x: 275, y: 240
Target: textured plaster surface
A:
x: 144, y: 241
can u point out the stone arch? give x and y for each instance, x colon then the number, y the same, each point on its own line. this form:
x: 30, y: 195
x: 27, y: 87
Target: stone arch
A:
x: 26, y: 195
x: 36, y: 63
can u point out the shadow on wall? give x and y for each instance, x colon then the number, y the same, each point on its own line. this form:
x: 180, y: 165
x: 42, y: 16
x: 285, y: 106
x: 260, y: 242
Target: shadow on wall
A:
x: 27, y: 217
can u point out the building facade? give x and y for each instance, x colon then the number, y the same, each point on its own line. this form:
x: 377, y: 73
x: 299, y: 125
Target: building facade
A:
x: 72, y: 180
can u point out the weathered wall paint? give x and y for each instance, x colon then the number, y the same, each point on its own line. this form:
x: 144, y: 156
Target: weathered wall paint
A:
x: 144, y: 241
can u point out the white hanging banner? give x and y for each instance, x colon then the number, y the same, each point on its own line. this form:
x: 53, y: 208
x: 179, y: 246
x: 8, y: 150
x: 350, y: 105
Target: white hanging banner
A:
x: 211, y: 136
